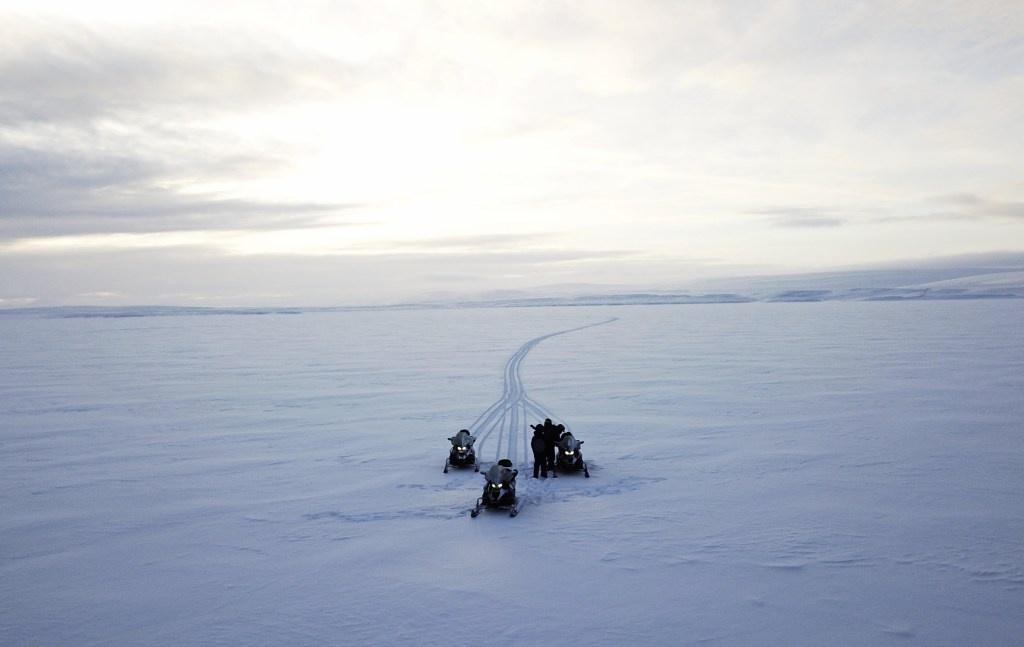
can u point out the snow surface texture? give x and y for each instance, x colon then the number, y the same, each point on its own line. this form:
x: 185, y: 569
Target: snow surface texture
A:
x: 837, y: 473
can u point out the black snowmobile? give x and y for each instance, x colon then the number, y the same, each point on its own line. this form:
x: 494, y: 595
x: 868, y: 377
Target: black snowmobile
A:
x: 462, y: 453
x: 499, y: 489
x: 569, y: 458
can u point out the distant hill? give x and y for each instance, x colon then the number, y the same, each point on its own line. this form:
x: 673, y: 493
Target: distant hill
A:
x: 978, y: 277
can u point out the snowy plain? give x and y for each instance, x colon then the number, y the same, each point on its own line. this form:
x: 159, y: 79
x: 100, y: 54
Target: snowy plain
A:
x: 834, y: 473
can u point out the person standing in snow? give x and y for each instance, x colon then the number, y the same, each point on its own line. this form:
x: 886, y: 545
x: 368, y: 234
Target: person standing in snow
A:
x: 539, y: 445
x: 551, y: 435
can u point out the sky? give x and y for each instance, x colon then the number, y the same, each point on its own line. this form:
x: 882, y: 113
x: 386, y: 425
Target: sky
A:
x: 331, y: 153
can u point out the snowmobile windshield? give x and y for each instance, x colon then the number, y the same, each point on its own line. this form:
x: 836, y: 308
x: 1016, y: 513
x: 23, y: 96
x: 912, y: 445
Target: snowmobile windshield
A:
x: 569, y: 442
x: 462, y: 439
x: 499, y: 474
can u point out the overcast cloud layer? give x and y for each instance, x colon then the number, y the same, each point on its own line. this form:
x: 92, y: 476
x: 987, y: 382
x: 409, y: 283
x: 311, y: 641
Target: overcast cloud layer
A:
x: 330, y: 153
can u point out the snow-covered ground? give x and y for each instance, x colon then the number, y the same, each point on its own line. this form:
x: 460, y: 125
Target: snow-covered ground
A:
x: 837, y: 473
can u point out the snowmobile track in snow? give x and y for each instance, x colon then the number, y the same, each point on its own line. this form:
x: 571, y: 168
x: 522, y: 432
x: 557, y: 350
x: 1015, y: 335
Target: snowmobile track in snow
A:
x: 509, y: 414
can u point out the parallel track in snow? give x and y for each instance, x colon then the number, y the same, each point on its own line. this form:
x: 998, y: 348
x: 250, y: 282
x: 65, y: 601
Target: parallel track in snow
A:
x: 510, y: 413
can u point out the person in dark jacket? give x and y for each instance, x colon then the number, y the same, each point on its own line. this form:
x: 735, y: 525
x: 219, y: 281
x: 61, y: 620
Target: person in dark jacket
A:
x: 551, y: 436
x: 540, y: 451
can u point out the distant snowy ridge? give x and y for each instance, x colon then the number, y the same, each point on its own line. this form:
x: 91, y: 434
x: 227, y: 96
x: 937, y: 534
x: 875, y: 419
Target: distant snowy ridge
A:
x: 880, y: 285
x: 850, y: 286
x: 1003, y: 280
x: 122, y: 312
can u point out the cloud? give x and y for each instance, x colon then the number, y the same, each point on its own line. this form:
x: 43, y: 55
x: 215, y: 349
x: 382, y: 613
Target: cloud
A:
x: 958, y: 207
x: 51, y: 193
x: 808, y: 221
x: 17, y: 302
x: 450, y: 277
x: 488, y: 242
x: 100, y: 294
x: 68, y: 73
x: 964, y: 207
x: 956, y: 199
x: 316, y: 241
x: 970, y: 205
x: 108, y: 131
x: 800, y: 217
x: 998, y: 261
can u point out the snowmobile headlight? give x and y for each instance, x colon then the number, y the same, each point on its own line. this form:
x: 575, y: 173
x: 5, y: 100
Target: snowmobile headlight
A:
x: 569, y: 452
x: 495, y: 485
x: 462, y: 449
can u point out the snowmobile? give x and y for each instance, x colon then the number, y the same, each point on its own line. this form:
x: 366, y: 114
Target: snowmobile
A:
x: 569, y: 458
x: 499, y: 489
x: 462, y: 453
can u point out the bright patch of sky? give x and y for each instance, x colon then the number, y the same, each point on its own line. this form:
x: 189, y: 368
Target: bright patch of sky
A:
x: 365, y: 151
